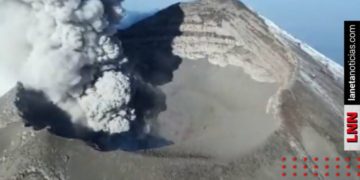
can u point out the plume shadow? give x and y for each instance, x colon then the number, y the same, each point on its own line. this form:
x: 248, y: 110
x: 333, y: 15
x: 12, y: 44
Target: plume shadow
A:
x: 151, y: 63
x: 39, y: 112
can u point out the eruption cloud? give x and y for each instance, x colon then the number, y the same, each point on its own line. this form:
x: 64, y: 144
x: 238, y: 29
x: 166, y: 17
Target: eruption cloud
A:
x: 65, y: 49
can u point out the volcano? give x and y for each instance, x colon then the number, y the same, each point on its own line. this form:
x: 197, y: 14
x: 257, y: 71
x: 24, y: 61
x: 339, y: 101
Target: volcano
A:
x: 230, y: 93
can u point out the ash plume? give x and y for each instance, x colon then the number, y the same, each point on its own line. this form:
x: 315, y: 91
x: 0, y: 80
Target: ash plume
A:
x: 65, y: 49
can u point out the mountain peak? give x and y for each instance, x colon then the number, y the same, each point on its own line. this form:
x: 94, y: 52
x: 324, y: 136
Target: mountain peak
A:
x: 224, y: 32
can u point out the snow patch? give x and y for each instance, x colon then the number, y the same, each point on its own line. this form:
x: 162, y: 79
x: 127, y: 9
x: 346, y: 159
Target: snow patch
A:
x: 284, y: 36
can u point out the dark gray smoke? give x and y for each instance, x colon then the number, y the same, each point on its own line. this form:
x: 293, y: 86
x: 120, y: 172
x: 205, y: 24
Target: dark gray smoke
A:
x: 65, y: 49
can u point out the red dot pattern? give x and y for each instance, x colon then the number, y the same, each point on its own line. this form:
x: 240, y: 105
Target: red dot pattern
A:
x: 327, y: 166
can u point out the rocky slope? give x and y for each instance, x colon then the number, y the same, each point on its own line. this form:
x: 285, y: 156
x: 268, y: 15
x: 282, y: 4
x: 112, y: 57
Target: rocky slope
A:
x: 231, y: 90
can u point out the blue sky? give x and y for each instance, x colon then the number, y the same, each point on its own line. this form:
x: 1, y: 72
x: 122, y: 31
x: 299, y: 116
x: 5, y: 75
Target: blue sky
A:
x: 316, y: 22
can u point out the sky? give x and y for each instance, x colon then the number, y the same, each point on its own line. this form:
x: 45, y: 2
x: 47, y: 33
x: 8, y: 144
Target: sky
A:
x: 316, y: 22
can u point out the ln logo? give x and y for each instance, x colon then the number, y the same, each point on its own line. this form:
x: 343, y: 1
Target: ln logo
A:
x: 351, y: 125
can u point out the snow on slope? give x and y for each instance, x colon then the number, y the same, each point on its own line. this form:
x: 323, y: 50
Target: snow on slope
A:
x: 334, y: 67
